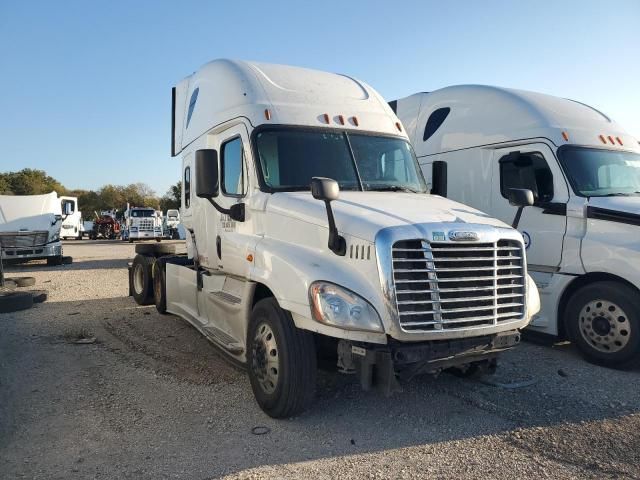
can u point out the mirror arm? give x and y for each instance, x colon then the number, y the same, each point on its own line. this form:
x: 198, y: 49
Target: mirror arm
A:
x: 235, y: 214
x: 516, y: 220
x: 337, y: 244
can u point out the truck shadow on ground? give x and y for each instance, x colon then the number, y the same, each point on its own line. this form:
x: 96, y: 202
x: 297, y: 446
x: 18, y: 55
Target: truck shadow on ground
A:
x: 149, y: 382
x: 82, y: 264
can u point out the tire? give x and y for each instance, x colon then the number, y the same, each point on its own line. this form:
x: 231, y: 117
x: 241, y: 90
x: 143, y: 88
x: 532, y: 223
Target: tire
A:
x: 603, y: 320
x: 54, y: 261
x: 23, y: 281
x: 130, y: 240
x: 141, y: 279
x: 39, y: 296
x: 286, y: 388
x: 160, y: 286
x: 158, y: 240
x: 67, y: 260
x: 14, y: 301
x: 155, y: 249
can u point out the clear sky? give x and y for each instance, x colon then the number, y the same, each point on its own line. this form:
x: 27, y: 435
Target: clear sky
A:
x: 85, y: 86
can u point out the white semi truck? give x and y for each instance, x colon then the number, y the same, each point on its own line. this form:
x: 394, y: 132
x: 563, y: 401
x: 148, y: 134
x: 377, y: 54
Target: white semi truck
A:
x: 30, y: 227
x: 582, y: 234
x: 310, y: 235
x: 142, y: 223
x: 171, y: 223
x: 72, y: 225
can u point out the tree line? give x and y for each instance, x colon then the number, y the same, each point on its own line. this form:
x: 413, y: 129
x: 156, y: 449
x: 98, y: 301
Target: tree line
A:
x: 36, y: 182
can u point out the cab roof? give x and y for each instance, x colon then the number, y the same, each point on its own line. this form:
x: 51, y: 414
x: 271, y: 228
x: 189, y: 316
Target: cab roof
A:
x: 263, y: 93
x: 484, y: 115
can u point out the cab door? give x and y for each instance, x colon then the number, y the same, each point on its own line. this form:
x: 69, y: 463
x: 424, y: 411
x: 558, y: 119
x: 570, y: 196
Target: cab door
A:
x: 228, y: 250
x: 543, y: 226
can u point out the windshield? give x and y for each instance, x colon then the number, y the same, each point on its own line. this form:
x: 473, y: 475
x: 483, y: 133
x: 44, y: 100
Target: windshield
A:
x: 596, y: 172
x: 290, y: 158
x: 142, y: 213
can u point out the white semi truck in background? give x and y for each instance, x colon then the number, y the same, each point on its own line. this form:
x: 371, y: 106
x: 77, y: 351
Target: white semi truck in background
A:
x: 141, y: 223
x: 476, y: 142
x: 30, y: 227
x: 310, y: 234
x: 171, y: 223
x: 72, y: 225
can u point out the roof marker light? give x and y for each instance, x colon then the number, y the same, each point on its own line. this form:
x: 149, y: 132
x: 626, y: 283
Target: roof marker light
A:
x: 619, y: 141
x: 565, y: 135
x: 398, y: 126
x: 341, y: 119
x: 611, y: 140
x: 326, y: 118
x: 602, y: 139
x: 355, y: 121
x: 267, y: 114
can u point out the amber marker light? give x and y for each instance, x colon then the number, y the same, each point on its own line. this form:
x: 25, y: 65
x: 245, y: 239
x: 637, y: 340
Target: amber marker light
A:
x: 398, y: 126
x: 602, y: 139
x: 267, y: 114
x: 341, y: 119
x: 611, y: 140
x: 249, y: 258
x: 565, y: 135
x: 326, y: 118
x: 619, y: 141
x: 355, y: 121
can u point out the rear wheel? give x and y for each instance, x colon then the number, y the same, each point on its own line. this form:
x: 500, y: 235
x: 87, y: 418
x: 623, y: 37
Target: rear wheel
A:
x: 159, y: 287
x: 141, y: 278
x: 603, y: 320
x: 281, y: 361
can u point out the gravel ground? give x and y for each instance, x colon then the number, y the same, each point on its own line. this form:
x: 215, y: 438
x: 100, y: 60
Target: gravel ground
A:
x: 151, y: 398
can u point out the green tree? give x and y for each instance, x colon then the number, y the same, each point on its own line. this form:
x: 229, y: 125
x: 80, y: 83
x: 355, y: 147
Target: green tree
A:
x: 173, y: 197
x: 29, y: 181
x: 5, y: 185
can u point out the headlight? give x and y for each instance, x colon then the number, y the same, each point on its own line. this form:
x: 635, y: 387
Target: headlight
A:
x: 55, y: 237
x: 339, y: 307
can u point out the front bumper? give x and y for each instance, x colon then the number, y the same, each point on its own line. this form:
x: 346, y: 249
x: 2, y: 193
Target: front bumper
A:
x: 404, y: 360
x: 53, y: 249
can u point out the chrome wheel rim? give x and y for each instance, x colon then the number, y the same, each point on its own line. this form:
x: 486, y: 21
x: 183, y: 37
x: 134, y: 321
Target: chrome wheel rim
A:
x: 138, y: 276
x: 604, y: 326
x: 266, y: 358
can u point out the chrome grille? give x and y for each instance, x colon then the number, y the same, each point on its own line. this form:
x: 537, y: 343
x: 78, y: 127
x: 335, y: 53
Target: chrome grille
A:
x: 145, y: 225
x: 446, y: 286
x: 22, y: 240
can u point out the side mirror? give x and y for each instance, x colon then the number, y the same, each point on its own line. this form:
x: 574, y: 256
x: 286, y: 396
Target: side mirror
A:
x: 439, y: 178
x: 207, y: 175
x: 520, y: 197
x: 327, y: 190
x: 67, y: 208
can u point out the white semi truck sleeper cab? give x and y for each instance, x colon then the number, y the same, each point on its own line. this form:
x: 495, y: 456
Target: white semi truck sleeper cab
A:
x: 583, y: 232
x: 311, y: 235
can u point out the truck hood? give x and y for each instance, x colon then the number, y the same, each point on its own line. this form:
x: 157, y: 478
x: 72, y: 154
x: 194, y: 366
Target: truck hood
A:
x: 364, y: 214
x: 25, y: 213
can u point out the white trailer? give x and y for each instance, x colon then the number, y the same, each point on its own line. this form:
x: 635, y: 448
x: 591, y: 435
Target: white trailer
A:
x: 30, y: 227
x: 311, y: 235
x: 72, y: 225
x: 584, y: 170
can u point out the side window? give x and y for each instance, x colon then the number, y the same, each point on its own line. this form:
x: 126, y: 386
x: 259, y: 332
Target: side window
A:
x: 192, y: 105
x: 187, y: 187
x: 434, y: 121
x: 527, y: 171
x: 233, y: 178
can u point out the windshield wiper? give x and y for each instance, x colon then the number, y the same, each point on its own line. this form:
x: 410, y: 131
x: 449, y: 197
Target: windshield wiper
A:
x: 391, y: 188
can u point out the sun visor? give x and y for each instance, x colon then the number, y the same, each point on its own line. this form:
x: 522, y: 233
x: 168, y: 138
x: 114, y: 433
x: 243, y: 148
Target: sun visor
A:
x: 178, y: 110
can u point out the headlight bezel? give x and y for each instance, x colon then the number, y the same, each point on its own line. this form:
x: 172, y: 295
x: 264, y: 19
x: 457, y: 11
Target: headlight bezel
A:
x: 370, y: 320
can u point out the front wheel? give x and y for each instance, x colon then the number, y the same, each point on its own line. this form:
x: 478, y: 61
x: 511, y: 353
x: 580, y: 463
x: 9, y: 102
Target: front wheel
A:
x: 281, y: 361
x: 603, y: 321
x: 141, y: 280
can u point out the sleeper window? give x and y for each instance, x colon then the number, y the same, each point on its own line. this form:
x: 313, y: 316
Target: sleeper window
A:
x: 187, y: 187
x: 233, y: 168
x: 528, y: 171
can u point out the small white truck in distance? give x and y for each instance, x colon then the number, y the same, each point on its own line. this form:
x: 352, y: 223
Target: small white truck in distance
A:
x: 583, y: 232
x: 72, y: 225
x: 30, y: 227
x: 311, y: 236
x: 142, y: 223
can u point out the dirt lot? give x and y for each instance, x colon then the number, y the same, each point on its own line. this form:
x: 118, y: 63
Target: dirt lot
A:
x: 151, y: 398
